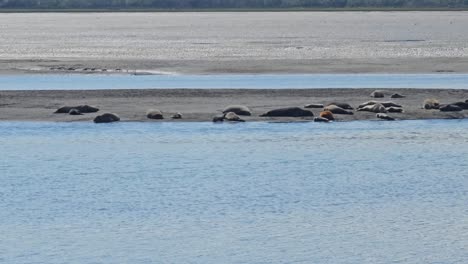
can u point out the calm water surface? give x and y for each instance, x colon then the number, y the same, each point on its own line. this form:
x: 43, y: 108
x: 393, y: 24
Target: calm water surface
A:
x: 278, y: 81
x: 358, y: 192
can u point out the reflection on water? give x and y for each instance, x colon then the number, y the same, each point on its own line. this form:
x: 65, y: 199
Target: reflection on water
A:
x: 358, y: 192
x: 277, y: 81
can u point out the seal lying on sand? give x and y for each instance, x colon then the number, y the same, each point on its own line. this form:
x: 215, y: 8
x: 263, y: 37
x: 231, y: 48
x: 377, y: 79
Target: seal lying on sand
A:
x: 450, y: 108
x: 74, y: 112
x: 431, y: 104
x: 154, y: 114
x: 385, y: 104
x: 462, y: 105
x: 384, y: 117
x: 394, y: 109
x: 106, y: 118
x: 288, y: 112
x: 377, y: 94
x: 233, y: 117
x: 327, y: 114
x: 376, y: 108
x: 397, y: 95
x: 81, y: 108
x: 238, y: 109
x: 342, y: 105
x: 337, y: 110
x: 177, y: 116
x: 314, y: 106
x: 321, y: 119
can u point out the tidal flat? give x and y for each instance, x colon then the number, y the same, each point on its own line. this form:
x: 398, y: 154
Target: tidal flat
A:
x: 235, y: 42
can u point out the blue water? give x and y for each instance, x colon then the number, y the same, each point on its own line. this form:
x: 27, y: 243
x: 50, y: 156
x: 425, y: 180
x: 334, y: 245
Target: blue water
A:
x: 77, y: 82
x: 357, y: 192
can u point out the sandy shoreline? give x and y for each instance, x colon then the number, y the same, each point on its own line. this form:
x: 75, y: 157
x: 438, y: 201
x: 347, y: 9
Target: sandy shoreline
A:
x: 204, y: 104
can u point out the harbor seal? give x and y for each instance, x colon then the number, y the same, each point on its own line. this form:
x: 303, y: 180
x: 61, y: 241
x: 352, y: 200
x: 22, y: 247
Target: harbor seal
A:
x: 321, y: 119
x: 74, y: 112
x: 397, y: 95
x: 342, y: 105
x: 238, y: 110
x: 385, y: 104
x: 337, y: 110
x: 106, y: 118
x: 288, y: 112
x: 431, y: 104
x: 154, y: 114
x: 81, y: 108
x: 384, y: 117
x: 462, y: 105
x: 394, y: 109
x: 233, y: 117
x: 376, y: 108
x: 177, y: 116
x: 377, y: 94
x: 314, y: 106
x: 218, y: 119
x: 327, y: 114
x: 450, y: 108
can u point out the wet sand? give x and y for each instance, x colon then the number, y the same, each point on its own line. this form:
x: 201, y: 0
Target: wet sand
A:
x: 245, y: 42
x: 203, y: 105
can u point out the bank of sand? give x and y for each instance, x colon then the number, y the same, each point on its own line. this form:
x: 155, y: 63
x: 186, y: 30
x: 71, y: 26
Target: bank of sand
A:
x: 203, y: 104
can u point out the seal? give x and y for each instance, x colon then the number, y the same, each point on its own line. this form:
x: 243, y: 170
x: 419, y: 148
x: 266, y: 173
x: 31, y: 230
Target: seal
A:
x: 384, y: 117
x: 218, y: 119
x: 431, y: 104
x: 321, y: 119
x: 288, y: 112
x: 462, y: 105
x: 238, y: 110
x: 394, y: 109
x: 342, y: 105
x: 233, y: 117
x: 81, y: 108
x: 313, y: 106
x: 177, y: 116
x: 74, y: 112
x: 377, y: 94
x: 376, y: 108
x: 106, y: 118
x: 397, y: 95
x: 154, y: 114
x: 385, y: 104
x: 450, y: 108
x: 337, y: 110
x: 327, y: 114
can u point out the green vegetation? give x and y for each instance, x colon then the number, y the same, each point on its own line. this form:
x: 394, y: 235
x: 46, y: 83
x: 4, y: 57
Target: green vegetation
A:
x: 83, y: 5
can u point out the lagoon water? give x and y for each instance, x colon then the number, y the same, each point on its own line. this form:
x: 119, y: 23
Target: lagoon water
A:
x: 357, y: 192
x: 231, y: 81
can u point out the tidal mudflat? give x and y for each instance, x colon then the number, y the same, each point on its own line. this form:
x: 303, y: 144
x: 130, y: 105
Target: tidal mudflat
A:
x: 258, y: 42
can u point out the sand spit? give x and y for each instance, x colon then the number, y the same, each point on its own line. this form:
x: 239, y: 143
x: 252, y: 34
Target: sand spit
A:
x: 204, y: 104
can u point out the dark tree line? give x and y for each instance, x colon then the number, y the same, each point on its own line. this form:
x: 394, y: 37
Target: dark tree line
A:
x: 188, y: 4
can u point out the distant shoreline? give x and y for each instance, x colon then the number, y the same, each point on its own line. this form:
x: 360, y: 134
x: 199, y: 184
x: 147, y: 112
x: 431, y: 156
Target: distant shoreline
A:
x: 156, y: 10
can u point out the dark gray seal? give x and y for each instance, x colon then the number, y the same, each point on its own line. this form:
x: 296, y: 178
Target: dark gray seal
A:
x: 74, y: 112
x: 377, y: 94
x: 450, y: 108
x: 313, y: 106
x: 238, y: 110
x: 342, y: 105
x: 394, y: 109
x: 321, y: 119
x: 154, y: 114
x: 288, y: 112
x: 106, y: 118
x: 81, y: 108
x: 177, y: 116
x: 397, y: 95
x: 384, y: 117
x: 337, y: 110
x: 218, y: 119
x: 462, y: 105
